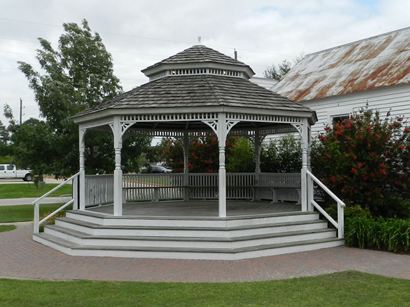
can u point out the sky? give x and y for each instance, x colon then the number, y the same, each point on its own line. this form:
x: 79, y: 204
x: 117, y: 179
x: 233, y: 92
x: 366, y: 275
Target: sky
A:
x: 140, y: 33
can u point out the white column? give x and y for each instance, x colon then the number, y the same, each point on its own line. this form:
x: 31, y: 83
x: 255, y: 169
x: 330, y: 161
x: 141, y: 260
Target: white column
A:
x: 257, y: 143
x: 117, y: 171
x: 82, y: 168
x: 222, y: 133
x: 305, y: 158
x: 186, y: 168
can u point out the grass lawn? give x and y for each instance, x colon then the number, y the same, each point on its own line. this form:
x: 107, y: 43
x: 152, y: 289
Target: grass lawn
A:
x: 4, y: 228
x: 9, y: 214
x: 29, y: 190
x: 339, y: 289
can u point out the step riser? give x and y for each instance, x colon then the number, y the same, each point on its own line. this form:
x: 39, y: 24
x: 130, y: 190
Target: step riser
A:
x: 190, y: 244
x: 192, y: 223
x: 188, y: 255
x: 190, y: 233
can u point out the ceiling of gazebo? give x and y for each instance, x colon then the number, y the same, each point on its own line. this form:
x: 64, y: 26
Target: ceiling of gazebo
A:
x: 205, y: 87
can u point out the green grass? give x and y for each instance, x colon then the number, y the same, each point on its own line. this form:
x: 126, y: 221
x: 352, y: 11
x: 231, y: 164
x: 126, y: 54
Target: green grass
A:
x: 4, y: 228
x: 339, y: 289
x: 10, y: 214
x: 30, y: 190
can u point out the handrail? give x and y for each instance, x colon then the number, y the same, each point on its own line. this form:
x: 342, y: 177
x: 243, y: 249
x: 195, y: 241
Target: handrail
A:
x: 36, y: 220
x: 340, y: 206
x: 327, y: 190
x: 55, y: 188
x: 56, y: 211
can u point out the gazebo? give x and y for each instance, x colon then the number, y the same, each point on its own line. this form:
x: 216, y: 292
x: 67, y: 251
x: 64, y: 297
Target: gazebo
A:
x: 197, y: 92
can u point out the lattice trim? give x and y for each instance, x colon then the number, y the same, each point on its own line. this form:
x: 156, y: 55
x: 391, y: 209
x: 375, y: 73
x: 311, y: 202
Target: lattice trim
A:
x: 263, y: 118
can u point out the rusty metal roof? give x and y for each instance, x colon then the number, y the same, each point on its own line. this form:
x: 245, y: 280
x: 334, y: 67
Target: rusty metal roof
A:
x: 378, y: 61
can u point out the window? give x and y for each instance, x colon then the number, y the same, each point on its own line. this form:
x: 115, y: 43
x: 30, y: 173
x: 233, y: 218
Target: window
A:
x: 2, y: 167
x: 10, y: 167
x: 339, y: 118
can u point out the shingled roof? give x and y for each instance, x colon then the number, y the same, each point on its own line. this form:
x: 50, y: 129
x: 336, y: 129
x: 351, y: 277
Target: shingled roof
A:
x: 378, y: 61
x: 198, y: 54
x: 201, y: 90
x: 214, y: 85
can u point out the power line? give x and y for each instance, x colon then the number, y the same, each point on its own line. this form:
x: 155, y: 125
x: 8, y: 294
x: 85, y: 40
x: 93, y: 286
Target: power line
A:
x: 261, y: 51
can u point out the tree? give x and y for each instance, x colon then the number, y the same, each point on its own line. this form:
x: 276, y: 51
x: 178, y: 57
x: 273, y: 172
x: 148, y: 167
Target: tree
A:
x: 75, y: 76
x: 366, y: 160
x: 282, y: 155
x: 34, y: 146
x: 278, y: 72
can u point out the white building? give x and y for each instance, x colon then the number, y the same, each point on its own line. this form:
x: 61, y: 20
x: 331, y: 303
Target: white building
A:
x: 339, y: 81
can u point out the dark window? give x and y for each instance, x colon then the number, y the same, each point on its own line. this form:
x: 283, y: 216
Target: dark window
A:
x: 10, y: 167
x: 339, y: 118
x: 1, y: 167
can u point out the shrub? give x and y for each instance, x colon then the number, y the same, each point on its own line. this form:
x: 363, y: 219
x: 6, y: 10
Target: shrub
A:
x: 366, y: 160
x: 383, y: 234
x: 283, y: 155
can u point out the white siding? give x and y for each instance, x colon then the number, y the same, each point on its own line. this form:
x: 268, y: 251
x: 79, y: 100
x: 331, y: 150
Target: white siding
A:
x: 393, y: 98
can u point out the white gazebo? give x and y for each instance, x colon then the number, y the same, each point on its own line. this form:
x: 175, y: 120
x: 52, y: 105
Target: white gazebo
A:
x: 197, y: 92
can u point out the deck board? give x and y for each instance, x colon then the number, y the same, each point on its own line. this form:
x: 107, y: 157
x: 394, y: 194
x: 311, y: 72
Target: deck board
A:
x: 199, y: 208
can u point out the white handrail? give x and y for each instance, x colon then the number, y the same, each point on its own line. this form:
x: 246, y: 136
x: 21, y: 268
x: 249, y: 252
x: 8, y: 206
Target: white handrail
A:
x: 340, y: 206
x: 55, y: 188
x: 36, y: 220
x: 56, y: 211
x: 327, y: 190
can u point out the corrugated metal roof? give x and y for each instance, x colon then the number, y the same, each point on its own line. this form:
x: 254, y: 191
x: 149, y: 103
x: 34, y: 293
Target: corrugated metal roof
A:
x: 378, y: 61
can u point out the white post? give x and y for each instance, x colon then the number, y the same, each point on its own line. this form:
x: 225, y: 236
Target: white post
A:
x: 82, y: 168
x: 186, y: 167
x: 257, y: 143
x: 304, y: 181
x: 222, y: 133
x: 117, y: 171
x: 340, y: 221
x: 36, y: 219
x: 75, y: 193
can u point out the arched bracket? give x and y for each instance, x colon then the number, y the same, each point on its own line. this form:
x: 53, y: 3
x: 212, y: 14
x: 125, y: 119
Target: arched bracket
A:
x: 298, y: 127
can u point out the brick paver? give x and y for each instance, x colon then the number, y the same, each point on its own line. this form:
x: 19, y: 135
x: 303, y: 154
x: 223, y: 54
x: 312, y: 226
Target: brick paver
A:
x: 21, y: 257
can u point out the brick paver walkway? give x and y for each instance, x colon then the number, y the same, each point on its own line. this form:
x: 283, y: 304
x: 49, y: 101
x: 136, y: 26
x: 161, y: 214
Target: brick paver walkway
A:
x: 20, y: 257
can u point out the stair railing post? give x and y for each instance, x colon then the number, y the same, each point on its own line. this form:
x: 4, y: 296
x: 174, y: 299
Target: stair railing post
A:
x: 36, y: 219
x: 340, y: 220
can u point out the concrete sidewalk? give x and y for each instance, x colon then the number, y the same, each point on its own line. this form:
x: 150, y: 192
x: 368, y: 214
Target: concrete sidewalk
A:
x: 21, y: 257
x: 29, y: 201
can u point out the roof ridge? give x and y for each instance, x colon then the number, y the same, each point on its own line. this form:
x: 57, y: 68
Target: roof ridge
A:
x: 359, y: 40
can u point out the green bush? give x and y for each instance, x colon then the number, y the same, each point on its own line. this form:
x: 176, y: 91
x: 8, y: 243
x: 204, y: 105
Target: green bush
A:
x: 282, y: 155
x: 382, y: 234
x: 366, y: 160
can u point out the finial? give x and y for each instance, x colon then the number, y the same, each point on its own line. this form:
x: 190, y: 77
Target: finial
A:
x: 199, y: 39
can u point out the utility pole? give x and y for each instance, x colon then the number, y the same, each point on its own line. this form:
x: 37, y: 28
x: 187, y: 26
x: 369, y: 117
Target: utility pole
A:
x: 21, y: 111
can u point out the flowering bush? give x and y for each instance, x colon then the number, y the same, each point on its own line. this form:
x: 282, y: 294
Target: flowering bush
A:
x: 366, y: 160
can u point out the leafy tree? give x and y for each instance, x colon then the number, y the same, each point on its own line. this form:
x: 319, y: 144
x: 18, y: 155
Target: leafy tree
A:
x: 241, y: 156
x: 4, y: 135
x: 75, y: 76
x: 282, y: 155
x: 366, y: 160
x: 203, y: 154
x: 278, y: 72
x: 33, y: 141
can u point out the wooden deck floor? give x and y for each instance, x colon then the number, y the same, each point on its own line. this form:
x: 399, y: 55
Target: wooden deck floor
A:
x: 199, y: 208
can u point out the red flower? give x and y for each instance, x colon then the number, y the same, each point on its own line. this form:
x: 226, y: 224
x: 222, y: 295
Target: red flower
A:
x: 354, y: 170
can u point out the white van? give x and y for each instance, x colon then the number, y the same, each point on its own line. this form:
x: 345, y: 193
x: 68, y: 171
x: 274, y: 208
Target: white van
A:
x: 9, y: 171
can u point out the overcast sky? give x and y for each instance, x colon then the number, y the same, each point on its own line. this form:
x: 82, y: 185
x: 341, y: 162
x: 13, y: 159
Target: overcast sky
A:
x: 140, y: 33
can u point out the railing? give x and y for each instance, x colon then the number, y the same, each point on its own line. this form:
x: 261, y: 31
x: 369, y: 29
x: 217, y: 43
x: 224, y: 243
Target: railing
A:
x: 144, y: 187
x: 173, y: 186
x: 37, y: 222
x: 340, y: 205
x: 140, y: 187
x: 99, y: 190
